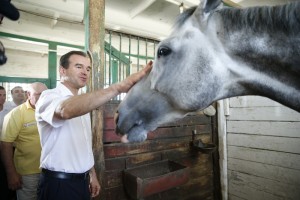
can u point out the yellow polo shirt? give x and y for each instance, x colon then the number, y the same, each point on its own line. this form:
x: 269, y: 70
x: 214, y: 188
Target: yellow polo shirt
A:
x: 20, y: 127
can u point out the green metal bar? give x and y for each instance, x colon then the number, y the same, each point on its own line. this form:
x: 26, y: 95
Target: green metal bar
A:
x: 114, y: 70
x: 110, y: 55
x: 105, y: 69
x: 52, y: 60
x: 24, y: 80
x: 120, y: 49
x: 138, y: 53
x: 123, y: 59
x: 129, y: 57
x: 3, y: 34
x: 146, y: 46
x: 154, y: 50
x: 86, y: 24
x: 115, y: 53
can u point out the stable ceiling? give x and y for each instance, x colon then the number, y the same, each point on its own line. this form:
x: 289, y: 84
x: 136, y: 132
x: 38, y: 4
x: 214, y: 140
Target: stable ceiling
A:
x: 62, y: 20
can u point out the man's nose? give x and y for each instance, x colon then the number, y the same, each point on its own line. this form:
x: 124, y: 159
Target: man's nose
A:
x: 85, y: 71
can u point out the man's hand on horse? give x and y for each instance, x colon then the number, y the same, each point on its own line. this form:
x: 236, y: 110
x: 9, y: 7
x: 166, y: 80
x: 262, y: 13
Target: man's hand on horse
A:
x: 126, y: 84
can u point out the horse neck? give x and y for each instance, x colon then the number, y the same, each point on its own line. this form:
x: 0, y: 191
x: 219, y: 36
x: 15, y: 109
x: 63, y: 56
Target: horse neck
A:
x: 276, y: 76
x: 267, y: 63
x: 265, y: 58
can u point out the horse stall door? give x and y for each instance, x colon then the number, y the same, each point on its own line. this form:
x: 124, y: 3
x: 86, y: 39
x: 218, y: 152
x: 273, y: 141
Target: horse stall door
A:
x: 263, y: 144
x: 167, y: 165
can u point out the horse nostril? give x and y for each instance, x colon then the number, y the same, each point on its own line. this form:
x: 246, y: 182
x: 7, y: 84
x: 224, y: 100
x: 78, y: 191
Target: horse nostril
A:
x: 118, y: 131
x: 116, y: 117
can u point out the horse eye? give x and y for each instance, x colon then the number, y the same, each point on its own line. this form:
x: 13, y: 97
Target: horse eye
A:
x: 163, y: 51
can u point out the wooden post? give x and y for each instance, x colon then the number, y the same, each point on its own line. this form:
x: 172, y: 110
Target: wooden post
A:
x: 95, y: 36
x: 221, y: 108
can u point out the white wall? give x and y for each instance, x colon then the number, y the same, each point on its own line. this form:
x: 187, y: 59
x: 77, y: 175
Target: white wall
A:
x: 25, y: 64
x: 263, y: 150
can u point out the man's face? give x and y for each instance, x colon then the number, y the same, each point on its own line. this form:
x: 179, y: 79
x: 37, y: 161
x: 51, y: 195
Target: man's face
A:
x: 35, y: 94
x: 2, y: 97
x: 78, y: 73
x: 18, y: 94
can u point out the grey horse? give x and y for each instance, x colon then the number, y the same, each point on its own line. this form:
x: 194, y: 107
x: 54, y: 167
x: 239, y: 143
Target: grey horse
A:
x: 215, y: 53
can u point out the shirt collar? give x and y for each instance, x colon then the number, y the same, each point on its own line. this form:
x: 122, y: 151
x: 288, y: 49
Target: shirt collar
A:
x: 64, y: 90
x: 28, y: 106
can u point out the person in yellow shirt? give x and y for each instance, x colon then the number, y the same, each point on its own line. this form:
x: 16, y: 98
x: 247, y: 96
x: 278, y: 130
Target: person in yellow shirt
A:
x: 5, y: 192
x: 20, y: 130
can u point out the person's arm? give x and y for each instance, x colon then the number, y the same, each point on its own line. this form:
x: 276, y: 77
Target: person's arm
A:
x: 14, y: 179
x: 85, y: 103
x: 94, y: 183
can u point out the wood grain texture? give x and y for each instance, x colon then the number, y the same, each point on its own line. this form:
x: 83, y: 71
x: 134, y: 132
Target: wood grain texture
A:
x: 268, y: 186
x: 287, y: 160
x: 282, y: 144
x: 283, y: 129
x: 263, y: 143
x: 171, y: 141
x: 264, y: 114
x: 276, y: 173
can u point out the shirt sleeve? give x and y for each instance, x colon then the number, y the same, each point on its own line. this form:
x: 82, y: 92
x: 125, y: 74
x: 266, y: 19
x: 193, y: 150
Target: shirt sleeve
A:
x: 12, y: 125
x: 46, y: 106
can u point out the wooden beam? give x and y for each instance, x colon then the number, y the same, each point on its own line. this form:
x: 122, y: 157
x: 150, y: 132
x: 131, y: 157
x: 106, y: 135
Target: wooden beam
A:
x: 96, y: 33
x: 222, y: 134
x: 231, y: 3
x: 143, y: 5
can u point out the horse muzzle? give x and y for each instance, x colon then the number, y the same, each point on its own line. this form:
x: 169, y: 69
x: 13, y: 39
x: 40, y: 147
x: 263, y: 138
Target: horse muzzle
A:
x: 118, y: 130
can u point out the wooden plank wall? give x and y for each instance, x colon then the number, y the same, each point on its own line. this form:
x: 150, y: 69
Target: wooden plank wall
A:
x: 263, y: 150
x: 168, y: 142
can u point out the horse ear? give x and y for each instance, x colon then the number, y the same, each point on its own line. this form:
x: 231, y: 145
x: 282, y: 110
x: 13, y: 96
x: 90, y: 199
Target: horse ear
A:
x: 206, y: 7
x: 210, y: 5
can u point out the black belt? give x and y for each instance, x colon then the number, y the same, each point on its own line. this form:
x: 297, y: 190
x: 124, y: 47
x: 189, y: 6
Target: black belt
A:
x: 64, y: 175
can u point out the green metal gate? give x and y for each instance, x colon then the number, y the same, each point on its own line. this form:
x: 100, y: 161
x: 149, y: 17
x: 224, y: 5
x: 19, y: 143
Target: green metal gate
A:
x: 124, y: 54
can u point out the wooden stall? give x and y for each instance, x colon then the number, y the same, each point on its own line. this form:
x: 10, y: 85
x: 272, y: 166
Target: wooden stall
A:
x: 169, y: 142
x: 263, y: 153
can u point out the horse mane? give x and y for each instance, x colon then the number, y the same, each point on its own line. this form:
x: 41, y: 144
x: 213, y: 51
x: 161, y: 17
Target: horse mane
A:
x: 184, y: 16
x: 285, y: 18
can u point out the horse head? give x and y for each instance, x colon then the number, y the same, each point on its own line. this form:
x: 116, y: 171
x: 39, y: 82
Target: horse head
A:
x: 146, y: 106
x: 215, y: 53
x: 138, y: 114
x: 189, y: 74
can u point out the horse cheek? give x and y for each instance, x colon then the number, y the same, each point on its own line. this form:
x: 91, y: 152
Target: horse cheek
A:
x: 160, y: 73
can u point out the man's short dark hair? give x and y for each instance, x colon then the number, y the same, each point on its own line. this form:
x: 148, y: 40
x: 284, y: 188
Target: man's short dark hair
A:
x: 64, y: 60
x: 2, y: 88
x: 12, y: 90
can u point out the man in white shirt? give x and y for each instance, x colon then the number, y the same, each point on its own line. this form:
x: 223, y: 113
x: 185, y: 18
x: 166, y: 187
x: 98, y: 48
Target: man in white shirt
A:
x: 3, y: 109
x: 64, y: 126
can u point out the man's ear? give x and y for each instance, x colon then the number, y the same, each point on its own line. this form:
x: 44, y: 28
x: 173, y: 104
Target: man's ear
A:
x: 27, y: 94
x: 61, y: 70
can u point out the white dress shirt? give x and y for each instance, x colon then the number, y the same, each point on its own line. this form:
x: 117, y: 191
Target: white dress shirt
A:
x: 3, y: 112
x: 10, y: 105
x: 66, y: 144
